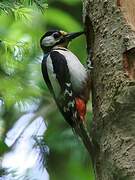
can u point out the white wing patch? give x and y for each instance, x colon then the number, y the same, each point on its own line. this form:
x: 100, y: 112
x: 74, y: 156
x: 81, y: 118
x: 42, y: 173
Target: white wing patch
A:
x: 78, y: 73
x: 66, y: 92
x: 52, y: 77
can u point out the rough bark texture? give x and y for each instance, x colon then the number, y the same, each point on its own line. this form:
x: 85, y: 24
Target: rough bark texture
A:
x: 113, y: 90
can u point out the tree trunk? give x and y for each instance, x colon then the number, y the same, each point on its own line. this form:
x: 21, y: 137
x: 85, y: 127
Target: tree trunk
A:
x: 110, y: 26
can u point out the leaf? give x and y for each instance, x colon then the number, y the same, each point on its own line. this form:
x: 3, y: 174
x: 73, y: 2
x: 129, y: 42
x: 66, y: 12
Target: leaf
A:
x: 9, y: 7
x: 23, y: 13
x: 3, y: 148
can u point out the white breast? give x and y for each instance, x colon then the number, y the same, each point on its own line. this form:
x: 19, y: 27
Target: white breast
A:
x: 77, y: 71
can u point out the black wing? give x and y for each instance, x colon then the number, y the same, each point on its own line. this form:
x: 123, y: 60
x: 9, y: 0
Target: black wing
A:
x: 66, y: 100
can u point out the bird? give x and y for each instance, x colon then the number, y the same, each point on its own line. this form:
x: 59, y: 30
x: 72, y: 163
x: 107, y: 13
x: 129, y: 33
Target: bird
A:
x: 67, y: 79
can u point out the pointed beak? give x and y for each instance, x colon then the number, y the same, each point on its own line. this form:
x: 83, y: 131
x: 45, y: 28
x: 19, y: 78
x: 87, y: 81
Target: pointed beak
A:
x: 73, y: 35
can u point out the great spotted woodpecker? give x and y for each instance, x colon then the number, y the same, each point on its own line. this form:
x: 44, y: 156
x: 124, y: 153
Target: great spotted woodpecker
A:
x: 66, y: 78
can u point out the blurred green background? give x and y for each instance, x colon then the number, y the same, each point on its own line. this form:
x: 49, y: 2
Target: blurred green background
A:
x: 23, y: 91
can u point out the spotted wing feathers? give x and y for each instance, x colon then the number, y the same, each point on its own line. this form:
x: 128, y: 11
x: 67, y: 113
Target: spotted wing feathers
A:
x: 66, y: 99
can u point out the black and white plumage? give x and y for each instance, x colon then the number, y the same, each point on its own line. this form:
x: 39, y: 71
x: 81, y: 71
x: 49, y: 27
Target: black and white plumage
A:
x: 67, y: 79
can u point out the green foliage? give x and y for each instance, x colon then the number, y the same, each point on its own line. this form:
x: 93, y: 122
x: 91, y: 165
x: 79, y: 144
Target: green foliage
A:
x: 53, y: 16
x: 3, y: 147
x: 23, y: 22
x: 21, y: 6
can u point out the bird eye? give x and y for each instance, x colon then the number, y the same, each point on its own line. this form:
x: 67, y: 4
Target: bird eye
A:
x: 56, y: 35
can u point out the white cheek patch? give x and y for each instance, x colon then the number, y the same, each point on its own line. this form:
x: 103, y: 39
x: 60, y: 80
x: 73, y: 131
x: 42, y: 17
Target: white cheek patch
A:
x: 48, y: 41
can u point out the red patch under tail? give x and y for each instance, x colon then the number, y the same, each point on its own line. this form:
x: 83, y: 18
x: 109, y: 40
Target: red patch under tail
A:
x: 81, y: 108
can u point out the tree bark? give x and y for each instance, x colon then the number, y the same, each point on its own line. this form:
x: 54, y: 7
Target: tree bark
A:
x: 110, y: 32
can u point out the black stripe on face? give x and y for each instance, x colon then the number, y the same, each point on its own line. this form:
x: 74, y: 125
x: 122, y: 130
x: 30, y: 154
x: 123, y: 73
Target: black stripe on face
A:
x: 60, y: 48
x: 49, y: 33
x: 56, y: 33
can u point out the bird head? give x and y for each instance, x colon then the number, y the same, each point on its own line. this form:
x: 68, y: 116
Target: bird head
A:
x: 57, y: 38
